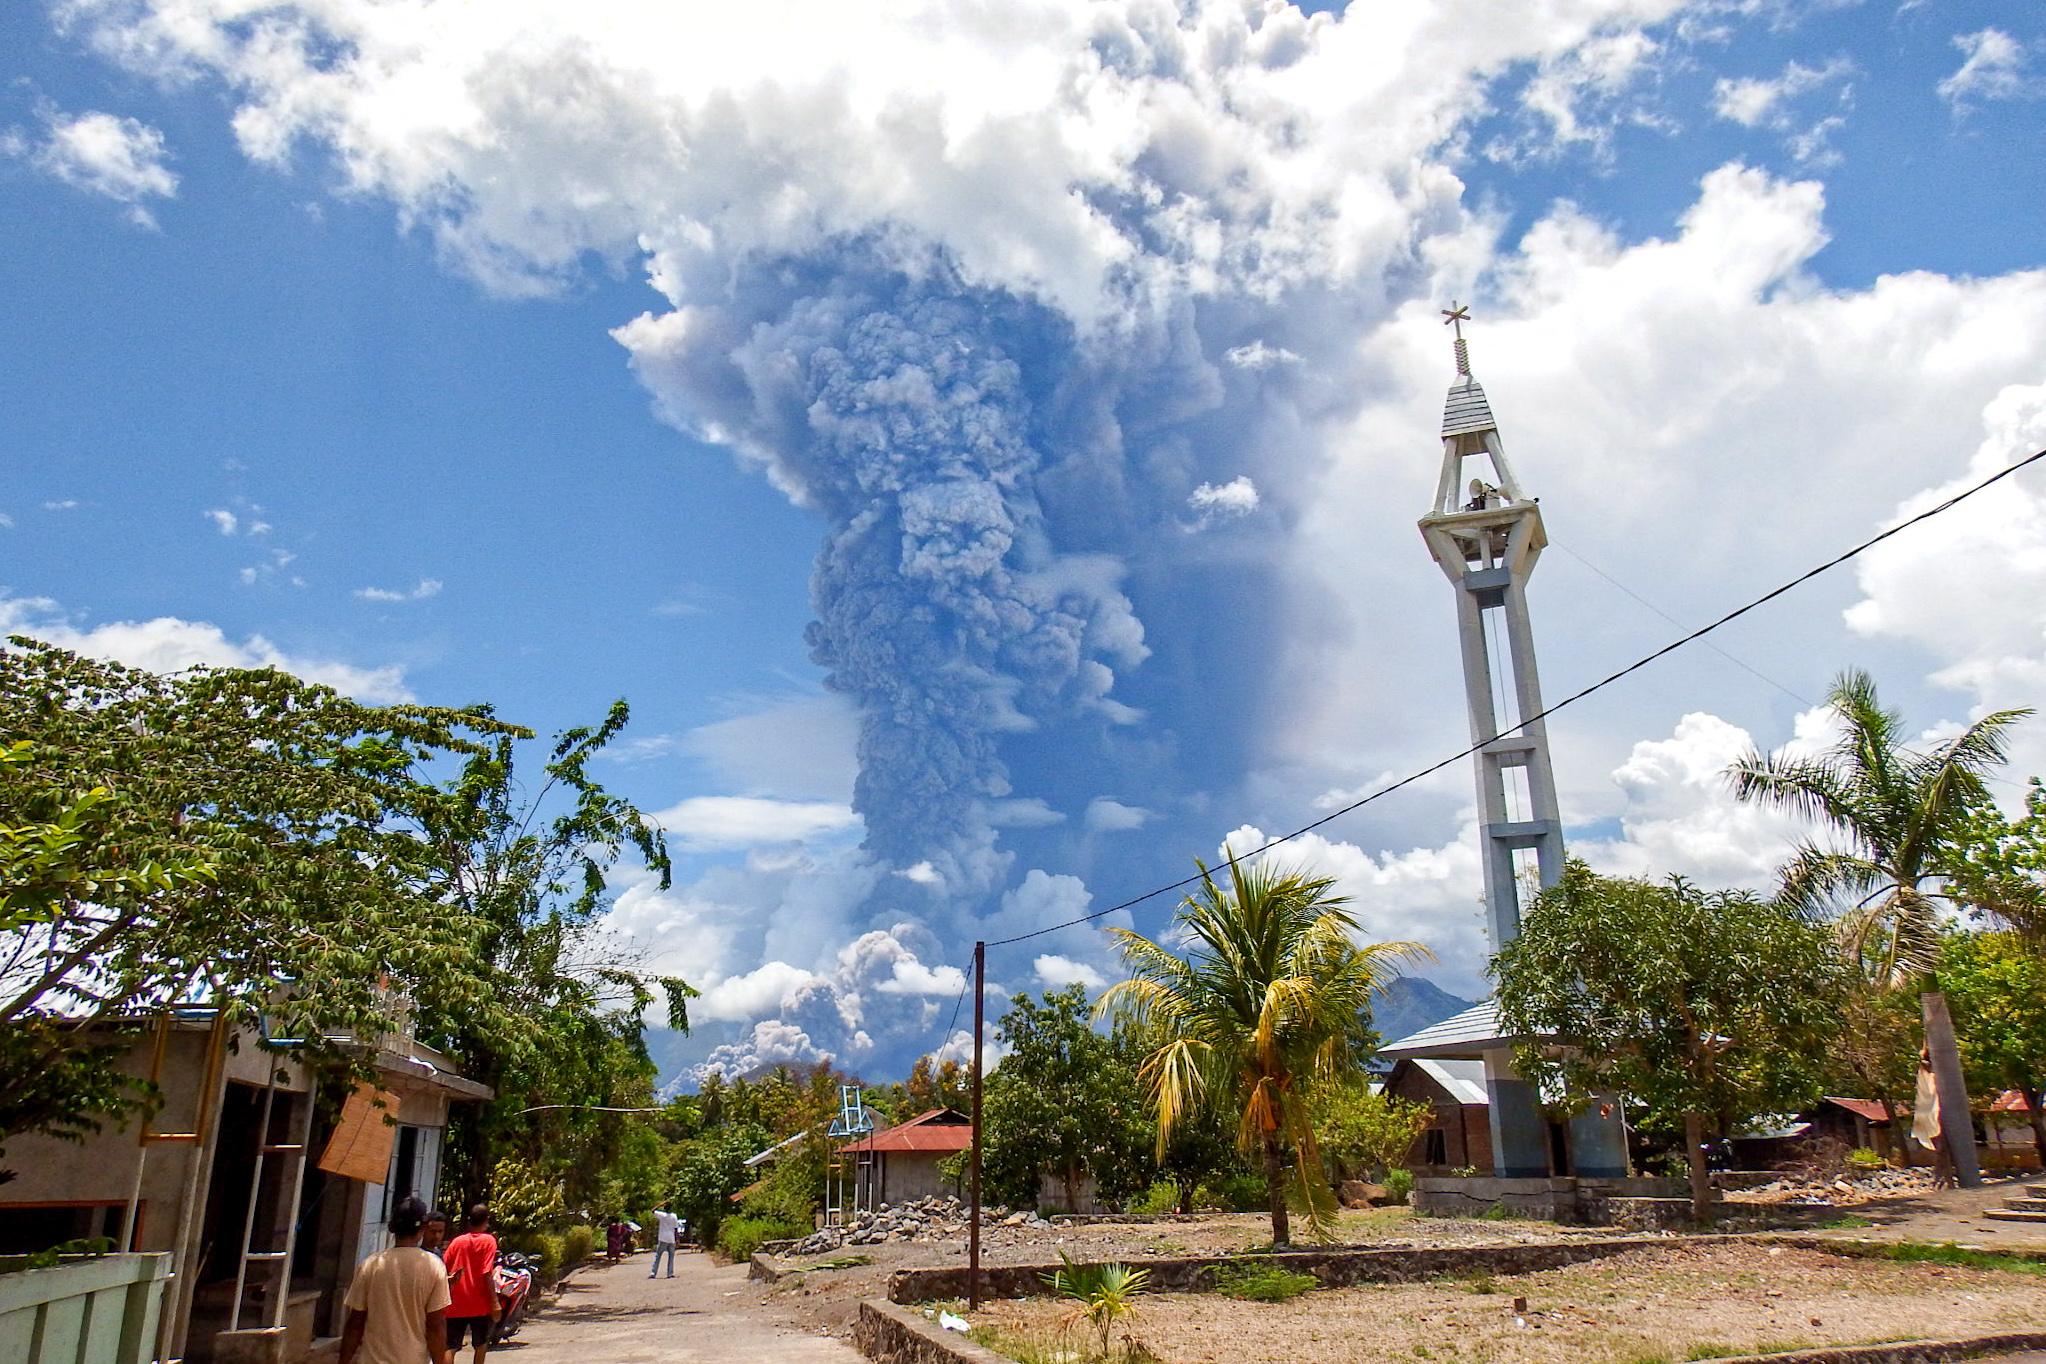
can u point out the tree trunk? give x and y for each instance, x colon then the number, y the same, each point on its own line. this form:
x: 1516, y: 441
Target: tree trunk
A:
x: 2033, y: 1099
x: 1275, y: 1186
x: 1701, y: 1178
x: 1070, y: 1177
x: 1955, y: 1121
x: 1186, y: 1193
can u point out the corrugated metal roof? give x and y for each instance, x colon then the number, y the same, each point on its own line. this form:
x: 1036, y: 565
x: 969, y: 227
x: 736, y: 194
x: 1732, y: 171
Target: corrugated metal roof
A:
x: 1466, y: 409
x: 1463, y: 1080
x: 1867, y: 1108
x: 1468, y: 1035
x: 941, y: 1129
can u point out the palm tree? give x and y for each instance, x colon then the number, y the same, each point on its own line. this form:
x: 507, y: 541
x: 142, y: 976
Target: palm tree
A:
x: 1267, y: 1004
x: 1899, y: 820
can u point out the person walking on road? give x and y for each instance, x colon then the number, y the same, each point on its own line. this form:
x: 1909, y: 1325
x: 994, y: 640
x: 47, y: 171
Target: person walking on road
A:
x: 398, y: 1304
x: 472, y: 1286
x: 667, y: 1231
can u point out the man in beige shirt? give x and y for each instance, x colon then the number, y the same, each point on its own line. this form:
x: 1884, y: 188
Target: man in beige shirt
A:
x: 398, y: 1304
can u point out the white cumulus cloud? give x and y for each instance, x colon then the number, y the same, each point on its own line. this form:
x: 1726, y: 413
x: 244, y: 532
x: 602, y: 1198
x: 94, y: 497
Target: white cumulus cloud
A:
x: 714, y: 823
x: 122, y: 159
x: 419, y: 591
x: 168, y: 644
x: 1994, y: 66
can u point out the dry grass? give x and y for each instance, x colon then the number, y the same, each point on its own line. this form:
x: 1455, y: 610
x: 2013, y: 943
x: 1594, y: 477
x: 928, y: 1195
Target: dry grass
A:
x: 1661, y: 1306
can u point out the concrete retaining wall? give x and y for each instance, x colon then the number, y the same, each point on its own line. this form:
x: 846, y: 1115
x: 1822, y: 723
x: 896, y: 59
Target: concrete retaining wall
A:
x: 1902, y: 1352
x: 1335, y: 1268
x: 895, y: 1335
x: 1642, y: 1204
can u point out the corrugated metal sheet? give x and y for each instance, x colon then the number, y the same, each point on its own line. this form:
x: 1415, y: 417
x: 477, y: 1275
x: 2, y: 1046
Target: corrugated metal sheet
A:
x: 1867, y: 1108
x: 1464, y: 1080
x: 941, y: 1129
x: 1466, y: 410
x: 1464, y: 1035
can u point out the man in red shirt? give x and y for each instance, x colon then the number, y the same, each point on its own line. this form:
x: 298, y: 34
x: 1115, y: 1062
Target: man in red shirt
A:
x: 472, y: 1285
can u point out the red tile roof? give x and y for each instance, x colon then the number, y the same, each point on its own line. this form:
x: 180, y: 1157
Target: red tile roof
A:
x: 941, y: 1129
x: 2010, y: 1101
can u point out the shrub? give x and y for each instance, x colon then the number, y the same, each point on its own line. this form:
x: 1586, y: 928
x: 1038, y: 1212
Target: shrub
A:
x: 1233, y: 1193
x: 576, y: 1244
x: 1863, y: 1159
x: 1398, y: 1184
x: 545, y: 1248
x: 1162, y: 1196
x: 1262, y: 1283
x: 739, y: 1237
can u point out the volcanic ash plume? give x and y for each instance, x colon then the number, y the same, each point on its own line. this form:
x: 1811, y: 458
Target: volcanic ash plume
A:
x: 943, y: 608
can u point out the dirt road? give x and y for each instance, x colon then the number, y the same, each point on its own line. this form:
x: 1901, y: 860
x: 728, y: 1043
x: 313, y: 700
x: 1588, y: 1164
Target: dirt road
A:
x: 616, y: 1315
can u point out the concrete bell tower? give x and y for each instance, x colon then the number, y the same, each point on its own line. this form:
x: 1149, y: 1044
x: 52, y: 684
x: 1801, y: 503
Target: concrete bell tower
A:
x: 1486, y: 535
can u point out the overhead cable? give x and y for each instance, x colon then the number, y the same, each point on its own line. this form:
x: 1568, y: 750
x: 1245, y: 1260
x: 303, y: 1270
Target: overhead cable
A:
x: 1570, y: 700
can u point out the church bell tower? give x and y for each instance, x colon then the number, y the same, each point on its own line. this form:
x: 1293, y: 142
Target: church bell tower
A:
x: 1486, y: 535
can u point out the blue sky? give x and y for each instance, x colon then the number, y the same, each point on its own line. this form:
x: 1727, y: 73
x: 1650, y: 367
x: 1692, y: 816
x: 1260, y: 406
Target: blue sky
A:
x: 531, y: 355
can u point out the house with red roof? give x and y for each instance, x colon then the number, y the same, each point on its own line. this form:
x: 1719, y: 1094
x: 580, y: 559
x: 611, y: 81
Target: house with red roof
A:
x: 906, y: 1155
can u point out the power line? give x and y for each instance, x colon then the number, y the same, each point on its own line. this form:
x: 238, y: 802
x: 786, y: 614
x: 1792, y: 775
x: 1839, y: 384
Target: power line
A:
x: 1742, y: 663
x: 1569, y: 700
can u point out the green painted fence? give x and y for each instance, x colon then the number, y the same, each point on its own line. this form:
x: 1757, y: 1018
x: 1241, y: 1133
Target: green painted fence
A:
x: 99, y: 1311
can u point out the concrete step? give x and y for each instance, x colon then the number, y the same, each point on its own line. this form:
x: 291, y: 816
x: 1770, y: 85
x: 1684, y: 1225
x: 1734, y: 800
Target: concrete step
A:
x: 2013, y: 1215
x: 2028, y: 1202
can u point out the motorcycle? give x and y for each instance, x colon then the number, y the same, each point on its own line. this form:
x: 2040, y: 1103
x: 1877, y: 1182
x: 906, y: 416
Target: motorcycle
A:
x: 514, y: 1294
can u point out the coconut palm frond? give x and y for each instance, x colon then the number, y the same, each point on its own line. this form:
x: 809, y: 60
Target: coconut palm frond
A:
x: 1816, y: 879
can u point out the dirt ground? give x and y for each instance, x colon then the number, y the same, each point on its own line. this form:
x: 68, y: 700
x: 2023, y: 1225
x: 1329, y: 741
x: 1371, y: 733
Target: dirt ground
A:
x: 828, y: 1299
x: 1949, y: 1215
x: 1646, y: 1307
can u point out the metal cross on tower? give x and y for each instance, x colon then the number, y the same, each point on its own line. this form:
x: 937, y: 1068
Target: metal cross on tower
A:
x: 1486, y: 534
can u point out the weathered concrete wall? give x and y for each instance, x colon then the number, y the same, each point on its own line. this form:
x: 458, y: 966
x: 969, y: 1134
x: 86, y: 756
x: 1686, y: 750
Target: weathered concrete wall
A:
x: 892, y: 1335
x: 1335, y: 1268
x: 1558, y: 1198
x: 906, y: 1175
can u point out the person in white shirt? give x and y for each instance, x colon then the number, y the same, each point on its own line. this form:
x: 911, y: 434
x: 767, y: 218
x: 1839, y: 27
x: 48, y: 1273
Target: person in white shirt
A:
x: 398, y: 1305
x: 667, y: 1231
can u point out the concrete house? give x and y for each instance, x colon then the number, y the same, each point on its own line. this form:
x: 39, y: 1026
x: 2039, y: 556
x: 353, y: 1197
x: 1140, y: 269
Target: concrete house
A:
x: 905, y: 1157
x: 229, y: 1181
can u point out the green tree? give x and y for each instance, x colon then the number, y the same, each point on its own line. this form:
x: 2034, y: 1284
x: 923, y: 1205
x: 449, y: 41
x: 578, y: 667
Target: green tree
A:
x: 555, y: 1026
x: 1999, y: 864
x: 253, y: 850
x: 1063, y: 1101
x: 1270, y: 1002
x: 1899, y: 822
x: 1357, y: 1126
x: 1707, y: 1004
x: 1998, y: 991
x: 709, y: 1170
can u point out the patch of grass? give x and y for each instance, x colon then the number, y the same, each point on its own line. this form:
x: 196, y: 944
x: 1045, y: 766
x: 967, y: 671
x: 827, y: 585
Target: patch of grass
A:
x: 1498, y: 1212
x: 1712, y: 1349
x: 1262, y: 1283
x: 1846, y: 1221
x: 1483, y: 1284
x: 842, y: 1262
x: 1024, y: 1348
x: 1947, y: 1253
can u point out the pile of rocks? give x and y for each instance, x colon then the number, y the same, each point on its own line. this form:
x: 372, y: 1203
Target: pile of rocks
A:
x: 921, y: 1219
x: 1845, y: 1190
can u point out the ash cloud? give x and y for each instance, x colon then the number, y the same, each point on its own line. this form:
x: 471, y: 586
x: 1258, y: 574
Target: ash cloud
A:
x: 945, y: 607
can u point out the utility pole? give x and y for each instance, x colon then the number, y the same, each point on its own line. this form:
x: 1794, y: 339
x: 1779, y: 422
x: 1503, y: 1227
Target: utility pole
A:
x: 973, y: 1193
